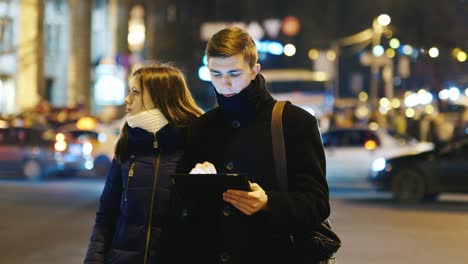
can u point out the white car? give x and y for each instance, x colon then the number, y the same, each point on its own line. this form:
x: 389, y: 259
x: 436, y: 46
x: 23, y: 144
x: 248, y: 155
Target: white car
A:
x: 350, y: 153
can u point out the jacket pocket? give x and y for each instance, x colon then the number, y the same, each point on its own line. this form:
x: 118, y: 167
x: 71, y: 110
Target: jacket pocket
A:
x: 131, y: 172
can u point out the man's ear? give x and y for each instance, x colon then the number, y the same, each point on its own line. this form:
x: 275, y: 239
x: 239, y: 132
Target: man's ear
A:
x: 255, y: 70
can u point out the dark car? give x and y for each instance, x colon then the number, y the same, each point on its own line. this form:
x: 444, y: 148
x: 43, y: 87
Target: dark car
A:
x: 34, y: 154
x: 26, y: 152
x: 422, y: 177
x: 349, y: 152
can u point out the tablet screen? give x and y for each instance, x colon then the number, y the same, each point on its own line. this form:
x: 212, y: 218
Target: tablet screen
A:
x: 207, y: 188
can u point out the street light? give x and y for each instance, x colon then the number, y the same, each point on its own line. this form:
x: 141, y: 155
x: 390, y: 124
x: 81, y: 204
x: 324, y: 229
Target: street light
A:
x: 136, y: 29
x: 362, y: 39
x: 394, y: 43
x: 289, y: 50
x: 384, y: 20
x: 434, y: 52
x: 379, y: 25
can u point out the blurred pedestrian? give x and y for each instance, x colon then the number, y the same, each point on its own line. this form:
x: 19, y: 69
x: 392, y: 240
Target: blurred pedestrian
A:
x: 459, y: 130
x: 425, y: 132
x: 254, y: 226
x: 400, y: 123
x: 133, y: 205
x: 444, y: 129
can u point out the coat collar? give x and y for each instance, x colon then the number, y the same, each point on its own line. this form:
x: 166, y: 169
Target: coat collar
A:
x: 142, y: 141
x: 248, y: 101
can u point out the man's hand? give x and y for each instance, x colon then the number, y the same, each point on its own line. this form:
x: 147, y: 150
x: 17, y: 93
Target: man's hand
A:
x: 203, y: 168
x: 247, y: 202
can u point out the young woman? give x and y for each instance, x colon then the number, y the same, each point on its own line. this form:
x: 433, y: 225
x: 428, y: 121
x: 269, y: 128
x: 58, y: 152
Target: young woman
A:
x: 134, y: 203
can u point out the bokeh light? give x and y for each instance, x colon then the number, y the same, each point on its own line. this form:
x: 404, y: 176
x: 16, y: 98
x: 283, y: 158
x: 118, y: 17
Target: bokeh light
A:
x: 433, y: 52
x: 461, y: 56
x: 384, y: 20
x: 313, y: 54
x: 363, y: 96
x: 390, y: 53
x: 394, y: 43
x: 289, y: 50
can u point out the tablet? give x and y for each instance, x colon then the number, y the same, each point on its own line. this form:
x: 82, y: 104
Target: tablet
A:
x: 207, y: 188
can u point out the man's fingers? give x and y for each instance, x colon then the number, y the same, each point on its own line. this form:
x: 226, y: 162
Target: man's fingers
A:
x: 237, y: 195
x: 203, y: 168
x: 254, y: 186
x: 196, y: 171
x: 243, y: 207
x: 247, y: 202
x: 240, y: 201
x: 209, y: 167
x: 253, y: 195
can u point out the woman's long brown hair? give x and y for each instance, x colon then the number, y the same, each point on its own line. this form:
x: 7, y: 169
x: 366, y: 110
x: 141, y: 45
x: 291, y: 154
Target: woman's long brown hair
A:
x: 168, y: 90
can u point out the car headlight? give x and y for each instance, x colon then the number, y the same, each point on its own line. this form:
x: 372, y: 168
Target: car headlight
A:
x: 379, y: 164
x: 60, y: 146
x: 102, y: 137
x: 87, y: 148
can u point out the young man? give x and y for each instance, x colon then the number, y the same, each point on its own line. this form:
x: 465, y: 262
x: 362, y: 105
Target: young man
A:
x: 235, y: 137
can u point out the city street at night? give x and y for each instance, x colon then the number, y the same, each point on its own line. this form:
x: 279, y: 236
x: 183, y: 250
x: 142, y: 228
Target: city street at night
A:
x: 368, y: 98
x: 50, y: 222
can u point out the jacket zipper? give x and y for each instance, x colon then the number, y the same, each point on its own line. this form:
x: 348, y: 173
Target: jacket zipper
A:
x: 156, y: 173
x: 155, y: 142
x: 130, y: 174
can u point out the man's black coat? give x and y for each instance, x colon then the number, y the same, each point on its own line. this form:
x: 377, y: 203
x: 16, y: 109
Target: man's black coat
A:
x: 236, y: 138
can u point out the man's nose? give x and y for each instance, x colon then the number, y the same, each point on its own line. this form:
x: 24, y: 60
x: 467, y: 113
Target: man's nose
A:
x: 225, y: 80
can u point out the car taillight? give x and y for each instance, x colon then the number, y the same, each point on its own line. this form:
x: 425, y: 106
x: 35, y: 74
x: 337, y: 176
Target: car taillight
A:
x: 370, y: 145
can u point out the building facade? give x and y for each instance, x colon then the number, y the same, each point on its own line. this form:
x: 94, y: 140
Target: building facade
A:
x: 44, y: 53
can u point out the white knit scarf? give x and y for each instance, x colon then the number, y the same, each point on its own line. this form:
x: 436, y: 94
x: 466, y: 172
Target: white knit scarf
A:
x: 152, y: 120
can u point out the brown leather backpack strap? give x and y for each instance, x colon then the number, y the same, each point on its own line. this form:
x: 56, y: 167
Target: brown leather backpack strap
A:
x: 279, y: 150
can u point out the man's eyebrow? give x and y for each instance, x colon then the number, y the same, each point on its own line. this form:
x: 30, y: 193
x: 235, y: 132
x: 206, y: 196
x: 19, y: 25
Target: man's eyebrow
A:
x: 230, y: 71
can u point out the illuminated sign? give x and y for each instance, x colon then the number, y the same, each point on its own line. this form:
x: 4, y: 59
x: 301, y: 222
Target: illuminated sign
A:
x: 109, y: 88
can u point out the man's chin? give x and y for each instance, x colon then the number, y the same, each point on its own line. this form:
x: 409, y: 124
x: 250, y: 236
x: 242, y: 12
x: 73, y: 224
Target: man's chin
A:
x: 229, y: 95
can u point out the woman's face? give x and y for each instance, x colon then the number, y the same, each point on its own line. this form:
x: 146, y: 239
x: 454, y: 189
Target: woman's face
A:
x: 137, y: 100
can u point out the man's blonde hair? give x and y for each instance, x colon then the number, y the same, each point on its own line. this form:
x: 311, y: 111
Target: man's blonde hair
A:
x: 231, y: 41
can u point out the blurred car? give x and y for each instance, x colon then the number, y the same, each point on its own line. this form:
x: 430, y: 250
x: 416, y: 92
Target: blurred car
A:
x: 34, y: 153
x: 101, y: 137
x: 26, y: 152
x: 73, y: 154
x: 351, y: 151
x: 423, y: 176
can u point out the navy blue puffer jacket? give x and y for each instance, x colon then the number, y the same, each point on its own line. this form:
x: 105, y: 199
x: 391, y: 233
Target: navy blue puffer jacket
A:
x: 125, y: 216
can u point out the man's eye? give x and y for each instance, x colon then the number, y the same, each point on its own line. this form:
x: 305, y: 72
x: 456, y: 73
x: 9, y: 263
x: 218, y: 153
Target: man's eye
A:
x: 215, y: 74
x: 235, y: 74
